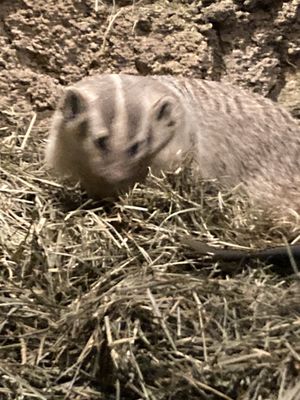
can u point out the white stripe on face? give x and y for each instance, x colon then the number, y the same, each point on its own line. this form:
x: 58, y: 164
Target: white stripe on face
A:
x: 119, y: 127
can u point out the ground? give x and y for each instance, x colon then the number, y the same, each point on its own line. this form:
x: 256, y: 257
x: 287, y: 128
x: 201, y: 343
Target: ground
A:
x: 102, y: 301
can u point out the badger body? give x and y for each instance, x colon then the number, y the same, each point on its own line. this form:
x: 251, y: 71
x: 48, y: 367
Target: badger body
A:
x: 109, y: 129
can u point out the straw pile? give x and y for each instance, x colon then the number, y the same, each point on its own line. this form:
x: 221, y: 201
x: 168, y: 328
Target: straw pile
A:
x: 102, y: 301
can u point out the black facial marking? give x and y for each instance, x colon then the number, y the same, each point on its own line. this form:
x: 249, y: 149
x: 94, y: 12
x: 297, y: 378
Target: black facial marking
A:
x: 164, y: 110
x: 171, y: 123
x: 72, y: 106
x: 102, y: 143
x: 106, y: 104
x: 132, y: 151
x: 133, y: 113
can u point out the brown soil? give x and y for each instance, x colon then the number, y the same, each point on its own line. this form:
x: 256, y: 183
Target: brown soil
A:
x: 43, y: 46
x: 46, y: 45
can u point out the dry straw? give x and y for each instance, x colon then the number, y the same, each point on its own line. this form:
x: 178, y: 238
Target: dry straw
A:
x: 101, y: 301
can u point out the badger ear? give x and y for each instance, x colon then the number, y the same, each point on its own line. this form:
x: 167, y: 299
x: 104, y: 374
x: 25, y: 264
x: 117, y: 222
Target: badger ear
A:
x: 164, y: 111
x: 73, y: 104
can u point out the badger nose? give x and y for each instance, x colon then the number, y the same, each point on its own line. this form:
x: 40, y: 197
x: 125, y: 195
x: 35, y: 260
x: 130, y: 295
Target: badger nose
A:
x: 116, y: 175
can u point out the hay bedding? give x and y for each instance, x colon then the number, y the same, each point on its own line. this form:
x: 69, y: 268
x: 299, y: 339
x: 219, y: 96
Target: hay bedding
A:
x: 101, y: 301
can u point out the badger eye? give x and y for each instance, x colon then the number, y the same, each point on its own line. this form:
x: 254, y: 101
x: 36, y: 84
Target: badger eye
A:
x: 102, y: 143
x: 132, y: 151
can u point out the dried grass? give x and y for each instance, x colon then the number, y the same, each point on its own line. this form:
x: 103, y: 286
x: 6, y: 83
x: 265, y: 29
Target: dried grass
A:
x: 101, y: 301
